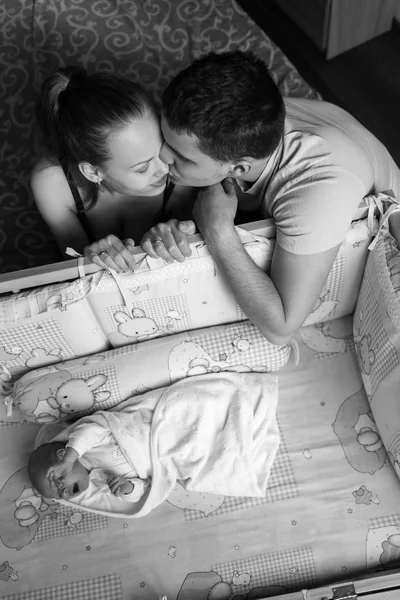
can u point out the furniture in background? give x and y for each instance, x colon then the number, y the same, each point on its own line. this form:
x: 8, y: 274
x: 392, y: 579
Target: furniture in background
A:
x: 338, y: 25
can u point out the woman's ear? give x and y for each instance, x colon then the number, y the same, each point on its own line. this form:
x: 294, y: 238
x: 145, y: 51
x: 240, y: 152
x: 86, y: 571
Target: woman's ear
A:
x: 90, y: 172
x: 240, y: 168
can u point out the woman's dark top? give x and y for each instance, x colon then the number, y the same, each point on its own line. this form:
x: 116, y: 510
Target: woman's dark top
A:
x: 82, y: 213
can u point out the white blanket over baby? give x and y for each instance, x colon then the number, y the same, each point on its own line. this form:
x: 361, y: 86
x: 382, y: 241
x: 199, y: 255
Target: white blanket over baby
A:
x: 214, y: 433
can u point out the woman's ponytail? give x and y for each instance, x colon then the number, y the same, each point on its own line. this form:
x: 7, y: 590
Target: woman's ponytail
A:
x: 51, y: 102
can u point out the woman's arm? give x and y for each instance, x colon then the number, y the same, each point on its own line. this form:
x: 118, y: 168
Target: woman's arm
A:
x: 55, y: 203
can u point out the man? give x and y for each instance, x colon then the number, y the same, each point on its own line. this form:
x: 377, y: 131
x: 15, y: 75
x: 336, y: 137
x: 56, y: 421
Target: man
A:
x: 306, y: 163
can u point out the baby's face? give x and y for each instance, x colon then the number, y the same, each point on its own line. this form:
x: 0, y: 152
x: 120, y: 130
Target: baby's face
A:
x: 73, y: 484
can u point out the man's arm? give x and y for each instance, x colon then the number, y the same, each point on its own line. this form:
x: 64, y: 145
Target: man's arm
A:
x: 277, y: 304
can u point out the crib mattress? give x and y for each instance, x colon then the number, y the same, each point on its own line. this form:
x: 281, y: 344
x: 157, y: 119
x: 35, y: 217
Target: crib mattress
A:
x: 331, y: 510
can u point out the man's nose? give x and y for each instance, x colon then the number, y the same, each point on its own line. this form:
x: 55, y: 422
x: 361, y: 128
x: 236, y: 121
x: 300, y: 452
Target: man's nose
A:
x: 166, y: 155
x: 161, y: 168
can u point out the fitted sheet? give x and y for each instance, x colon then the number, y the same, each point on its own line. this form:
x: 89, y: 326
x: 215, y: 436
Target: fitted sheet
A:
x: 331, y: 509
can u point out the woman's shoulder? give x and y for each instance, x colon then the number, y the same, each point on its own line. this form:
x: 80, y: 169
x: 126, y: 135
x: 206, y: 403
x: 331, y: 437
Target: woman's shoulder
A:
x: 46, y: 168
x: 48, y: 176
x: 47, y: 179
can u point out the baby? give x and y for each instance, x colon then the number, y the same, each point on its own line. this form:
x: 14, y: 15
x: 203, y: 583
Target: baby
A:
x: 214, y: 433
x: 90, y: 458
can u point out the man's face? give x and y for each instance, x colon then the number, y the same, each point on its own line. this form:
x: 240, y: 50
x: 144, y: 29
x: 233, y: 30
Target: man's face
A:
x: 187, y: 164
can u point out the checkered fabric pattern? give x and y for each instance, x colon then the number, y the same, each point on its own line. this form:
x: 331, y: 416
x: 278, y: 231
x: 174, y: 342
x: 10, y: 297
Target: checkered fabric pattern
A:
x: 45, y: 334
x: 223, y: 345
x: 386, y: 358
x: 66, y: 521
x: 281, y: 486
x: 158, y: 309
x: 111, y: 385
x: 334, y: 282
x: 390, y: 249
x: 107, y: 587
x: 385, y: 521
x: 293, y: 569
x: 4, y: 424
x: 394, y: 446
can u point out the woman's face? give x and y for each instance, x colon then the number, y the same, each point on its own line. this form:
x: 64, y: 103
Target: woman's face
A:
x: 135, y: 167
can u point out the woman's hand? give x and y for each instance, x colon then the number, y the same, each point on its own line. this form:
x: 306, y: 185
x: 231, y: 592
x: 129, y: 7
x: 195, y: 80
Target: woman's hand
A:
x: 169, y: 240
x: 112, y: 253
x: 120, y: 486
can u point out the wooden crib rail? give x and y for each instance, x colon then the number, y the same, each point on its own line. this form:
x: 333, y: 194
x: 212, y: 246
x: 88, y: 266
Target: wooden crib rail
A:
x: 68, y: 269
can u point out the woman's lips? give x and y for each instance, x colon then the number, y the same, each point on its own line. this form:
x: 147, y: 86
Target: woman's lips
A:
x: 161, y: 181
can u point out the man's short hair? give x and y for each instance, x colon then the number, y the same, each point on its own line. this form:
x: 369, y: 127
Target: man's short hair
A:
x: 230, y: 102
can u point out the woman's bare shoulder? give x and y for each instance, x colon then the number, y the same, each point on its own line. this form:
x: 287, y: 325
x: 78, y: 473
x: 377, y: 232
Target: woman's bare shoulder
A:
x: 44, y: 168
x: 48, y: 181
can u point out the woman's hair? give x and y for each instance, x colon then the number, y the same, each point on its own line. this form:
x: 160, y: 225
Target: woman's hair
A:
x: 76, y: 113
x: 230, y: 102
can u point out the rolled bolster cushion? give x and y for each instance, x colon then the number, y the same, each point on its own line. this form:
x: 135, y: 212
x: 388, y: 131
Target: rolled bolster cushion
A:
x: 74, y: 388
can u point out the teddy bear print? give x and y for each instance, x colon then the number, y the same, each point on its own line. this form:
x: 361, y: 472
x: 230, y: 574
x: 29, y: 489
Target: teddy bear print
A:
x: 366, y: 355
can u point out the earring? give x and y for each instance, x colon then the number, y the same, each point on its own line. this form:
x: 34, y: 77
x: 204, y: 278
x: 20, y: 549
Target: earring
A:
x: 98, y: 183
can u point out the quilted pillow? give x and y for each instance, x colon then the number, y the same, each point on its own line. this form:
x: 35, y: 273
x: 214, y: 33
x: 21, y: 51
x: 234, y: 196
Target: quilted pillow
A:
x: 71, y: 389
x: 377, y: 339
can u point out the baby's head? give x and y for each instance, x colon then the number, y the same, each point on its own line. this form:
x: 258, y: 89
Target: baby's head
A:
x: 46, y: 456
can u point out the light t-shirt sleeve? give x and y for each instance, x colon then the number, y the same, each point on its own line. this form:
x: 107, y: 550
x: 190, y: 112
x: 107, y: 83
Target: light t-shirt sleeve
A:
x: 313, y: 214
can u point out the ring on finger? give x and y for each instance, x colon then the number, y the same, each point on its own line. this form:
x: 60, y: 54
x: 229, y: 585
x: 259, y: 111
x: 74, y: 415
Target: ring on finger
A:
x: 158, y: 240
x: 104, y: 252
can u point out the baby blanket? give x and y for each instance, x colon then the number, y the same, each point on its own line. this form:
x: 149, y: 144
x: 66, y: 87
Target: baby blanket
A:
x: 214, y: 433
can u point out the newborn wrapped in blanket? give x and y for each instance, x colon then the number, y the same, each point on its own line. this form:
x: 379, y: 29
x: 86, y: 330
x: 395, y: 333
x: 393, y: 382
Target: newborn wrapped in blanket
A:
x: 213, y: 433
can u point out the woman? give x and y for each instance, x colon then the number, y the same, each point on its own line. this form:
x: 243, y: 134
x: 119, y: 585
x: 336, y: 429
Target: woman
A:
x: 100, y: 178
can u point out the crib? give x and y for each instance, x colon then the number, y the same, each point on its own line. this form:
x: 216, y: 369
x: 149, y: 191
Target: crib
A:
x: 329, y: 525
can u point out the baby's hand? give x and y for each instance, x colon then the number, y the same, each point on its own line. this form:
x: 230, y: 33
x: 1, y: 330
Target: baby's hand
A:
x: 120, y: 486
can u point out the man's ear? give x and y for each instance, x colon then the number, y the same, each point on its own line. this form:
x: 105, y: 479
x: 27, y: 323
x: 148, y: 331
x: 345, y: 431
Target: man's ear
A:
x: 90, y: 172
x: 240, y: 168
x: 60, y: 453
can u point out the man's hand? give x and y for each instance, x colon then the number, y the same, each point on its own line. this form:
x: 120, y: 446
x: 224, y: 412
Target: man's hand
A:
x: 215, y: 207
x: 169, y: 240
x: 120, y: 486
x: 112, y: 253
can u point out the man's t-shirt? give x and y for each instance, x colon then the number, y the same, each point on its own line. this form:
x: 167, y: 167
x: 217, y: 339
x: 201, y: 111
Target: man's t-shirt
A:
x: 314, y: 182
